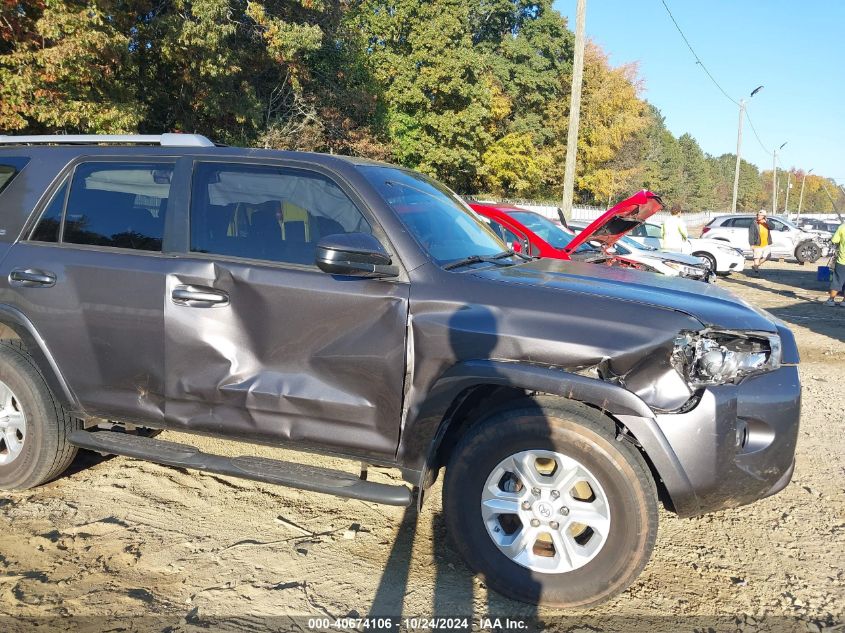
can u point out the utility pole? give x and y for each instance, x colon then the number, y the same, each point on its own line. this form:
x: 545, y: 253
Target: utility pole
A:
x: 832, y: 201
x: 738, y: 151
x: 574, y: 110
x: 739, y: 146
x: 801, y: 197
x: 775, y: 179
x: 786, y: 200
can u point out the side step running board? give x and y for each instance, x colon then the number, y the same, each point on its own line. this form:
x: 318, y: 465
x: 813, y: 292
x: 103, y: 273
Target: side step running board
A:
x: 333, y: 482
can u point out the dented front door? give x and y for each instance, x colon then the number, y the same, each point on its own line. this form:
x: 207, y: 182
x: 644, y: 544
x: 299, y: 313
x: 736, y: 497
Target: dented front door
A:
x: 262, y: 345
x: 284, y: 354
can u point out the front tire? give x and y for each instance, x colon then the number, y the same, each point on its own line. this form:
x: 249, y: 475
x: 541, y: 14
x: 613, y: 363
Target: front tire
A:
x: 547, y: 505
x: 33, y: 425
x: 707, y: 259
x: 807, y: 251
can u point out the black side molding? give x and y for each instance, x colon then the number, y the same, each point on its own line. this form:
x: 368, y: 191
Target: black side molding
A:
x: 304, y: 477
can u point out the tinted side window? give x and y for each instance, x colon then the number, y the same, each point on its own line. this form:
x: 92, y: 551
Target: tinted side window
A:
x: 9, y: 168
x: 267, y: 212
x: 47, y: 229
x: 777, y: 225
x: 118, y: 204
x: 740, y: 223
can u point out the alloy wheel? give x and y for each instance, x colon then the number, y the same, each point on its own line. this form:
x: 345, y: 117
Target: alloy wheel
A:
x: 12, y: 425
x: 545, y: 511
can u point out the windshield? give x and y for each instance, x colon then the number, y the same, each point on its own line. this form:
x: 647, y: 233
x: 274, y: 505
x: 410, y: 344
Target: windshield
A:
x: 547, y: 230
x: 632, y: 243
x: 442, y: 224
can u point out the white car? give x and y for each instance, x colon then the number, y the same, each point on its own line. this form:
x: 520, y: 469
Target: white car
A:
x: 788, y: 241
x: 663, y: 262
x: 721, y: 258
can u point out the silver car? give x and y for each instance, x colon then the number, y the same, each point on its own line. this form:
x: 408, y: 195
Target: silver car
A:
x: 787, y: 240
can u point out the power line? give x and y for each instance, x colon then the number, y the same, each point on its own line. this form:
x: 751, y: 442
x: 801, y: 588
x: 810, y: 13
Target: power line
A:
x: 697, y: 58
x: 757, y: 136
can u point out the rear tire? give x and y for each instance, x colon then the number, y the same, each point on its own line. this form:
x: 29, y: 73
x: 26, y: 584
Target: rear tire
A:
x: 33, y: 425
x: 574, y: 445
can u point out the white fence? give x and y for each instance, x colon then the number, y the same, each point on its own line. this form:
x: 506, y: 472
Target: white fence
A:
x: 588, y: 214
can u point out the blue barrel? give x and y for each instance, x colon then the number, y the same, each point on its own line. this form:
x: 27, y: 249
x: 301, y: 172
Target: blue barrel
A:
x: 823, y: 273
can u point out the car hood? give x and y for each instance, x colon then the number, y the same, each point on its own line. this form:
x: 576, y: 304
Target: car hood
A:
x: 619, y: 220
x: 669, y: 256
x: 711, y: 305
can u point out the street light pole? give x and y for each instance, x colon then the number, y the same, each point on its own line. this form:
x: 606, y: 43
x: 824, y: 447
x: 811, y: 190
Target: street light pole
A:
x: 775, y: 179
x: 801, y: 197
x: 739, y: 147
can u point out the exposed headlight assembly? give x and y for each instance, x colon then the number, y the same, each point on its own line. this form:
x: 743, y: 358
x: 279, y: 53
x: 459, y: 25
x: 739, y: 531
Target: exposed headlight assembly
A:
x: 728, y: 250
x: 714, y: 357
x: 686, y: 271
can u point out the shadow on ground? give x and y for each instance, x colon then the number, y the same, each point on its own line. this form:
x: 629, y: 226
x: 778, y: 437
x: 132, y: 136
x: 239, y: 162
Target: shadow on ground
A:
x: 806, y: 292
x: 453, y: 586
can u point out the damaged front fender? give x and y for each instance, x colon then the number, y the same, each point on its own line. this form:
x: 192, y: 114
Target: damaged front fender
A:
x: 431, y: 419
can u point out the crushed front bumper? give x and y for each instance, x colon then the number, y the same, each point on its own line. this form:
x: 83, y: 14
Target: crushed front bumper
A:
x: 737, y: 445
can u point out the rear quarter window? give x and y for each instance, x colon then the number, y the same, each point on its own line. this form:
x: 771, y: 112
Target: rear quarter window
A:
x: 10, y: 166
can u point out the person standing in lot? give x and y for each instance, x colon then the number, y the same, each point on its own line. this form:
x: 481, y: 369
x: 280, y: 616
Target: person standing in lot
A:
x: 837, y: 279
x: 760, y: 239
x: 674, y: 235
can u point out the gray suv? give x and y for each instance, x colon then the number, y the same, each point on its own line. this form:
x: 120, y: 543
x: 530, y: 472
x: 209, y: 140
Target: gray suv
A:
x: 358, y: 309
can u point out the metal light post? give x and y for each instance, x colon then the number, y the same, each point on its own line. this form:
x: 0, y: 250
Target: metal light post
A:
x: 775, y: 178
x: 739, y: 146
x: 801, y: 196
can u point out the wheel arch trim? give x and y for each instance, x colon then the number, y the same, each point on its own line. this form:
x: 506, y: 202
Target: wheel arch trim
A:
x: 434, y: 419
x: 40, y: 353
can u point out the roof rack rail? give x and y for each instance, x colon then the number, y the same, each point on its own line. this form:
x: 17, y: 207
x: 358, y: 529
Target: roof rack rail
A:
x: 165, y: 140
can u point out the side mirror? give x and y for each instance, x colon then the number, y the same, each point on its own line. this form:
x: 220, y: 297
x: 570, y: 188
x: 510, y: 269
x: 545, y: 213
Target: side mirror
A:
x: 355, y: 255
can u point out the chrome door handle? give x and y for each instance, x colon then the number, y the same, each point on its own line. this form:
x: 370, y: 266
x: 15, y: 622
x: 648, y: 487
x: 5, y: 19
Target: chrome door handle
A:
x: 32, y: 278
x: 199, y: 297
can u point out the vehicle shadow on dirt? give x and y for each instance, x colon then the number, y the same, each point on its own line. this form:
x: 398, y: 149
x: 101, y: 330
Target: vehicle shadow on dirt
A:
x: 807, y: 311
x: 454, y: 583
x: 804, y: 281
x: 474, y: 334
x: 85, y: 460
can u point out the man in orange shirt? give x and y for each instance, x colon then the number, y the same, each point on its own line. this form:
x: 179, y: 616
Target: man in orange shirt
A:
x: 760, y: 238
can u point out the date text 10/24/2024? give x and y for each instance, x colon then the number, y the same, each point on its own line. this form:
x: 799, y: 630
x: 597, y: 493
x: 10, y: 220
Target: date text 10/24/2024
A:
x: 386, y: 623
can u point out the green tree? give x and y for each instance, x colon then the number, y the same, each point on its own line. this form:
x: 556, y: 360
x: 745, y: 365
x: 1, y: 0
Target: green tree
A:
x: 696, y: 192
x: 433, y: 80
x: 749, y: 191
x: 611, y: 115
x: 510, y: 165
x: 661, y: 158
x: 241, y: 72
x: 527, y: 48
x: 70, y: 71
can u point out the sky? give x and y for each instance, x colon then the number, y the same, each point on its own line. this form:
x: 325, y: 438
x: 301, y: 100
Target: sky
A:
x: 795, y: 49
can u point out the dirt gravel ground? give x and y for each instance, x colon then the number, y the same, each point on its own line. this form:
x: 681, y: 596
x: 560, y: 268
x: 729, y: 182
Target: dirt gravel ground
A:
x: 123, y: 545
